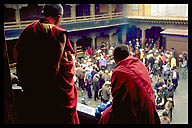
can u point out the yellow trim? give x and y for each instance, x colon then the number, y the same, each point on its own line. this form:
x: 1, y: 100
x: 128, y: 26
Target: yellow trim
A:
x: 47, y: 26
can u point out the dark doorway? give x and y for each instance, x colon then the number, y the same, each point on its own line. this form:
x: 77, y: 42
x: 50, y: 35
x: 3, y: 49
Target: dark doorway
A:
x: 9, y: 14
x: 84, y: 42
x: 67, y: 10
x: 83, y: 10
x: 31, y: 12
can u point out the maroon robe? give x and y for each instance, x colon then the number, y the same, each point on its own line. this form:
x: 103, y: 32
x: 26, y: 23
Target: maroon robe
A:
x: 45, y: 70
x: 133, y: 97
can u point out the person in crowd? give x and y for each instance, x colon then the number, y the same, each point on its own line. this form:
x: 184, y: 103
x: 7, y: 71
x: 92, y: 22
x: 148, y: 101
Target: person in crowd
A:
x: 169, y: 107
x: 166, y: 72
x: 158, y: 85
x: 164, y: 118
x: 130, y: 44
x: 168, y: 56
x: 142, y: 54
x: 132, y: 53
x: 145, y: 61
x: 106, y: 76
x: 180, y: 59
x: 130, y: 84
x: 173, y: 62
x: 154, y: 48
x: 163, y: 91
x: 152, y: 43
x: 149, y: 68
x: 106, y: 92
x: 173, y: 52
x: 147, y: 48
x: 163, y: 57
x: 133, y: 44
x: 111, y: 64
x: 100, y: 108
x: 184, y: 68
x: 49, y: 92
x: 151, y: 60
x: 80, y: 75
x: 185, y: 55
x: 171, y: 90
x: 156, y: 69
x: 87, y: 72
x: 137, y: 54
x: 94, y: 71
x: 111, y: 51
x: 101, y: 83
x: 103, y: 46
x: 137, y: 45
x: 83, y: 101
x: 175, y: 78
x: 88, y: 86
x: 160, y: 64
x: 102, y: 63
x: 96, y: 86
x: 160, y: 101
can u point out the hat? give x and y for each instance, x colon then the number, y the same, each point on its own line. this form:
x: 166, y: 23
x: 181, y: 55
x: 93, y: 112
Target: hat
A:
x: 170, y: 99
x: 82, y: 99
x: 89, y: 75
x: 165, y: 113
x: 107, y: 82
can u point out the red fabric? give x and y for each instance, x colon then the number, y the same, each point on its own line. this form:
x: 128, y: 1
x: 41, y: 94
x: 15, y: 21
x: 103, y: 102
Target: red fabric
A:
x: 38, y: 56
x: 133, y: 96
x: 89, y: 51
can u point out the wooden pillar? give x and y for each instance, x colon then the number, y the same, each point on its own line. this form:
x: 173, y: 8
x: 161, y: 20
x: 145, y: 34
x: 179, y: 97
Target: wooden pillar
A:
x: 93, y: 36
x: 143, y: 37
x: 92, y: 10
x: 110, y: 39
x: 17, y: 14
x: 124, y: 36
x: 110, y: 10
x: 75, y: 44
x: 73, y: 11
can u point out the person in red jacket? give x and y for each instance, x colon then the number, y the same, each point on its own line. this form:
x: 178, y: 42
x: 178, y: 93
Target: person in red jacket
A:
x: 45, y: 71
x: 133, y: 97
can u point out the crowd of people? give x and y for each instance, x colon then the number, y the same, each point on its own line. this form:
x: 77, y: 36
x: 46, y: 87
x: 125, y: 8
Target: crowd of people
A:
x: 96, y: 70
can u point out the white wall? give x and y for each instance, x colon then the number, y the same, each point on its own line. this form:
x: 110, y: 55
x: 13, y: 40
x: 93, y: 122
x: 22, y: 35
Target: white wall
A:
x: 169, y: 10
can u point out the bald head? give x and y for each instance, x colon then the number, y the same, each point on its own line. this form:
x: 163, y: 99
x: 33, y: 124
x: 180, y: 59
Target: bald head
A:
x: 120, y: 52
x: 53, y: 10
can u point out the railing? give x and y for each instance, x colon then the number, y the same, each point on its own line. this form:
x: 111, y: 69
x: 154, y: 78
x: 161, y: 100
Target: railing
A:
x: 22, y: 24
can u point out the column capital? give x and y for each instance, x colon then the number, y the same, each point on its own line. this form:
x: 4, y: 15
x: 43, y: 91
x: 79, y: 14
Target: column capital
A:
x: 15, y: 6
x: 22, y: 5
x: 143, y: 27
x: 72, y: 5
x: 112, y: 32
x: 40, y: 4
x: 93, y: 35
x: 75, y: 38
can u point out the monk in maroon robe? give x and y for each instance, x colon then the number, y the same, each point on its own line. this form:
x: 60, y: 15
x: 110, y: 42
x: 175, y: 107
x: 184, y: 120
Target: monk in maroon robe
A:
x: 133, y: 97
x: 45, y: 71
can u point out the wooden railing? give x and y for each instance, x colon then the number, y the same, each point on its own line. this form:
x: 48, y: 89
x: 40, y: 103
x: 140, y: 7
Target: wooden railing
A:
x: 22, y: 24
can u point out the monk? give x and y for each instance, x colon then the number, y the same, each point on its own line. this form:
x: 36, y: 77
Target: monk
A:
x: 45, y: 71
x: 133, y: 97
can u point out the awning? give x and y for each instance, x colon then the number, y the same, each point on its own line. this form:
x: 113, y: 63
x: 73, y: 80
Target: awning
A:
x: 175, y: 32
